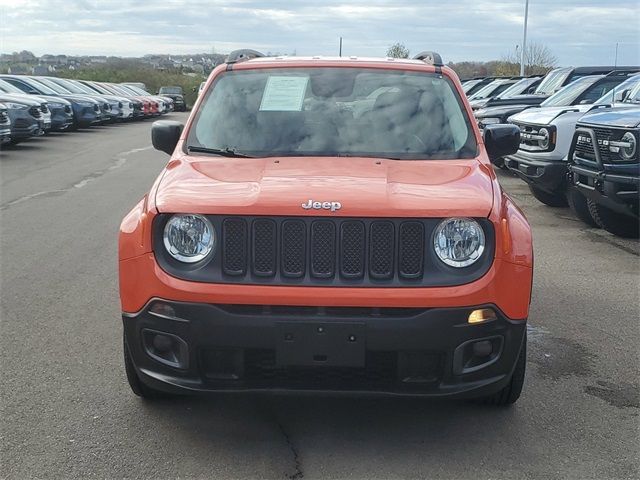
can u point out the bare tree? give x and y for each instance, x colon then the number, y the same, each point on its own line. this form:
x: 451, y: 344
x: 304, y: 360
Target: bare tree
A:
x: 538, y: 59
x: 398, y: 50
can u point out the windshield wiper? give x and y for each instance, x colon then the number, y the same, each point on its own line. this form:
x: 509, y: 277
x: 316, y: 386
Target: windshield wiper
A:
x: 224, y: 152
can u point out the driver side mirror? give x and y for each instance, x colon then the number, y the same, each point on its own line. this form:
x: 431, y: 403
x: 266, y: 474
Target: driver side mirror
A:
x: 165, y: 135
x: 501, y: 140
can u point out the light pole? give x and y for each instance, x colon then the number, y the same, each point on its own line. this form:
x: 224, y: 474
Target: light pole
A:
x: 524, y: 37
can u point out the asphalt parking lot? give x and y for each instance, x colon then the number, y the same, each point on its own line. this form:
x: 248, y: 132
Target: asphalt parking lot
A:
x: 67, y: 411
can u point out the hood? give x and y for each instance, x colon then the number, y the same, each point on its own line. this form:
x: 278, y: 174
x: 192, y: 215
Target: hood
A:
x: 545, y: 115
x: 529, y: 99
x: 616, y: 117
x: 54, y: 99
x: 364, y: 186
x: 31, y: 100
x: 79, y: 98
x: 499, y: 112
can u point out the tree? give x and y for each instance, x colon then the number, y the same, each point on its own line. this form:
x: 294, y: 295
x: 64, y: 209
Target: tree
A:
x: 398, y: 50
x: 538, y: 59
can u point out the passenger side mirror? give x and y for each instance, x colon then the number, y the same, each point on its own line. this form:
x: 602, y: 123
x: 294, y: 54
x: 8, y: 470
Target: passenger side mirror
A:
x: 531, y: 90
x: 501, y: 140
x: 165, y: 135
x: 624, y: 95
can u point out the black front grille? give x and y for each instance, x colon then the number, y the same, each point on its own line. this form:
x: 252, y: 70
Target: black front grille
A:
x: 380, y: 370
x: 345, y: 247
x: 588, y: 140
x: 603, y: 136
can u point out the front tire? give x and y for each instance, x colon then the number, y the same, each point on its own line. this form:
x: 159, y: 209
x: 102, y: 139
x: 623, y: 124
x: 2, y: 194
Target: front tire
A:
x: 580, y: 207
x: 550, y: 199
x: 614, y: 222
x: 511, y: 392
x: 139, y: 388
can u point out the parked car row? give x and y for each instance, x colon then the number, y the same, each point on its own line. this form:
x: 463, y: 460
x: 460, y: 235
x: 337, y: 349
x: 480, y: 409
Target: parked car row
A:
x: 35, y: 105
x: 579, y: 133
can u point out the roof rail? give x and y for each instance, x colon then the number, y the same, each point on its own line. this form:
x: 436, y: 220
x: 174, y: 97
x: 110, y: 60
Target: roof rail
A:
x: 432, y: 58
x: 242, y: 55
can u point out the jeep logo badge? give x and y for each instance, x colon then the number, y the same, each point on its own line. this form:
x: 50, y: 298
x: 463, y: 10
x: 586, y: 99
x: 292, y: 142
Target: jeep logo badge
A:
x: 333, y: 206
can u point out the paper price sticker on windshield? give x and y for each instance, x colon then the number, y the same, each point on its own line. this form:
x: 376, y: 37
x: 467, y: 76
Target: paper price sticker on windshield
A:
x: 284, y: 94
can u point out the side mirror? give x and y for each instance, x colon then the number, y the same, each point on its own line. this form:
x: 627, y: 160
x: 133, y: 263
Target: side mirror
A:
x: 500, y: 140
x: 531, y: 90
x: 624, y: 95
x: 165, y: 135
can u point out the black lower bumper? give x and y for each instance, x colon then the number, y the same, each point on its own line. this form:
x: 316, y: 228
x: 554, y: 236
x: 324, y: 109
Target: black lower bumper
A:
x: 550, y: 176
x: 620, y: 193
x: 185, y: 347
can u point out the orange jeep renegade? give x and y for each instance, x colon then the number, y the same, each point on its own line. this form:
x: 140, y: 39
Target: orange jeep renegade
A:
x: 328, y: 224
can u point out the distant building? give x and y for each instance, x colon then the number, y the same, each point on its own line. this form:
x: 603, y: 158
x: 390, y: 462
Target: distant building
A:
x: 40, y: 70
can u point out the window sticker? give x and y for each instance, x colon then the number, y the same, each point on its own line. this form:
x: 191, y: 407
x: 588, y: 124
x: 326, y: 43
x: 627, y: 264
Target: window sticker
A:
x: 284, y: 94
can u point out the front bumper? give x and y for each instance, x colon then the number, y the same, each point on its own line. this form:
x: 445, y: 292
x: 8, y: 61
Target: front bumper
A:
x: 548, y: 175
x: 619, y: 192
x: 385, y: 351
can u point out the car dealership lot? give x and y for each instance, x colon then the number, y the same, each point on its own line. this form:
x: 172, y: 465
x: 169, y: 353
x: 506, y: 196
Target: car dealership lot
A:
x: 68, y: 412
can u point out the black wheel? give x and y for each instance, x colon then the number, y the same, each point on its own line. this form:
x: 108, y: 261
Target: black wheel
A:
x: 511, y: 393
x: 139, y: 388
x: 614, y: 222
x: 551, y: 199
x: 580, y: 207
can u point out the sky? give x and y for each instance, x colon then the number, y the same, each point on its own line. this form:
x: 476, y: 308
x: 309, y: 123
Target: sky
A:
x: 578, y: 32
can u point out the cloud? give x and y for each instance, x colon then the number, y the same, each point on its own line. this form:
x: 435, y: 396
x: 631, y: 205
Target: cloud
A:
x: 577, y: 31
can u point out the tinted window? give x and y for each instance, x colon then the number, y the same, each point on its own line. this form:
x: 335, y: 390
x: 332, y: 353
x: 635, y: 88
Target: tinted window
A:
x: 334, y: 112
x: 598, y: 90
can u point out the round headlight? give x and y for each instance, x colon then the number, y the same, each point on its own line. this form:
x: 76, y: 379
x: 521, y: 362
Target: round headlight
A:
x: 189, y: 238
x: 544, y: 142
x: 629, y: 151
x: 459, y: 242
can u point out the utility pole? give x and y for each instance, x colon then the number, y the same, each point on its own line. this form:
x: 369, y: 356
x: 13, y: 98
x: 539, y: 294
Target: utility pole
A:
x: 524, y: 37
x: 340, y: 46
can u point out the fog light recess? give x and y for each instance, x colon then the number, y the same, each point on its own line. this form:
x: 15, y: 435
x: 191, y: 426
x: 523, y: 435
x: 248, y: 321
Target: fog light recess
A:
x: 166, y: 348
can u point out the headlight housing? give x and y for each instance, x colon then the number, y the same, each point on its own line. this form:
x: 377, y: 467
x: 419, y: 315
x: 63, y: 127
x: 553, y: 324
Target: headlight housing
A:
x: 459, y: 242
x: 626, y: 147
x: 189, y: 238
x: 545, y: 138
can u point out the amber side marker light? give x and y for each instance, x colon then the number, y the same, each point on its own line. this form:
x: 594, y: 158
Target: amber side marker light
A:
x: 481, y: 315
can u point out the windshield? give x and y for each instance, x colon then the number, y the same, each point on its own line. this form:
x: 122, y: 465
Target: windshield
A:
x: 121, y: 90
x: 568, y: 94
x: 334, y: 112
x: 68, y: 85
x: 491, y: 90
x: 517, y: 88
x: 57, y: 89
x: 6, y: 87
x: 552, y: 81
x: 173, y: 90
x: 469, y: 85
x: 82, y: 87
x: 615, y: 94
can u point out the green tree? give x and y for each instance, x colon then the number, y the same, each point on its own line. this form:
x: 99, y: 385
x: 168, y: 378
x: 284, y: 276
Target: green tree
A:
x: 398, y: 50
